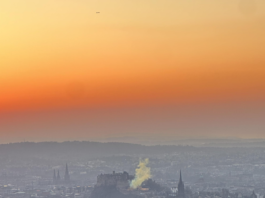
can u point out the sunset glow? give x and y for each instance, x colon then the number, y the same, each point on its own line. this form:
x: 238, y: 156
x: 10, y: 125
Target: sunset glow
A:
x: 61, y: 54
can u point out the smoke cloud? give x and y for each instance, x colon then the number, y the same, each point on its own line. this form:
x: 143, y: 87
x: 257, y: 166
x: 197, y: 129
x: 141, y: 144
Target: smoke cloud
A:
x: 142, y: 173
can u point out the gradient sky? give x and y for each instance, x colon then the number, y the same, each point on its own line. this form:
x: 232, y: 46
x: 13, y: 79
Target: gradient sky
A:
x: 177, y: 68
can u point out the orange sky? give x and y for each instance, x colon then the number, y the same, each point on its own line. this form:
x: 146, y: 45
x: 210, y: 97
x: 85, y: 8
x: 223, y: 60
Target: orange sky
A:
x: 58, y: 54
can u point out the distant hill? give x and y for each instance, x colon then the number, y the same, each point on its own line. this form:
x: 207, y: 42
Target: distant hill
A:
x: 77, y: 150
x: 84, y: 149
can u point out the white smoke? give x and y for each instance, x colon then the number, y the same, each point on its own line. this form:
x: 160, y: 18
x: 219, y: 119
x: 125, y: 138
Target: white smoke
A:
x: 142, y: 173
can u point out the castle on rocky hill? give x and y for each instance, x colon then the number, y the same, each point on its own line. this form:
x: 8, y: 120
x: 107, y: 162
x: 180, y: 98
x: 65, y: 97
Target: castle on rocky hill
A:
x: 120, y: 180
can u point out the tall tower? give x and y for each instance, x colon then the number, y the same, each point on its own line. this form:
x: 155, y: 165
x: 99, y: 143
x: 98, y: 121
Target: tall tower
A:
x: 66, y: 175
x: 253, y: 195
x: 58, y: 176
x: 54, y: 176
x: 181, y: 190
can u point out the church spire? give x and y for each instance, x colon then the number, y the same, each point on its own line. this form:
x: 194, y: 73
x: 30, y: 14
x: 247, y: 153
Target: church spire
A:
x: 58, y: 176
x: 66, y: 175
x: 180, y: 177
x: 54, y: 176
x: 181, y: 190
x: 253, y: 195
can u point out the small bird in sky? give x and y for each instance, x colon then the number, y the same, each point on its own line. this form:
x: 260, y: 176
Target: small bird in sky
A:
x: 97, y: 12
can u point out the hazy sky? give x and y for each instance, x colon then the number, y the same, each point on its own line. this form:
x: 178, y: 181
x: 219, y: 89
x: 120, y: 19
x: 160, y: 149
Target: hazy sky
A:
x: 181, y: 68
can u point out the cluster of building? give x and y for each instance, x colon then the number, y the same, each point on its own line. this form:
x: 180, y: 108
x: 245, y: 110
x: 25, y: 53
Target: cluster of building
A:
x: 119, y: 180
x: 66, y: 187
x: 63, y: 188
x: 57, y: 179
x: 10, y: 191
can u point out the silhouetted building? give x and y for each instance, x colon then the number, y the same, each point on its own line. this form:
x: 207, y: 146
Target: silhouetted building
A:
x: 253, y: 195
x: 57, y: 178
x: 181, y: 190
x: 54, y: 177
x: 120, y: 180
x: 66, y: 175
